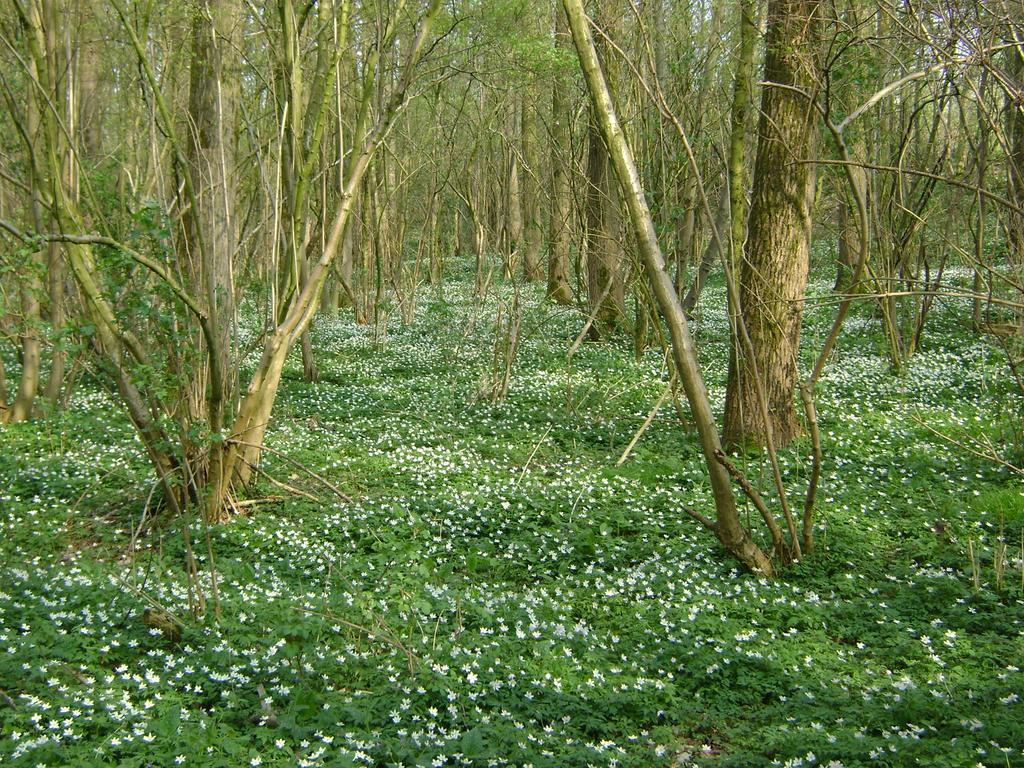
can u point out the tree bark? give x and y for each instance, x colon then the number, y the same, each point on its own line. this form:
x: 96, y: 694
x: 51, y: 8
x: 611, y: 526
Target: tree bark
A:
x: 513, y: 196
x: 741, y: 96
x: 210, y: 226
x: 558, y: 230
x: 710, y: 256
x: 773, y: 275
x: 1015, y: 161
x: 532, y: 237
x: 604, y: 289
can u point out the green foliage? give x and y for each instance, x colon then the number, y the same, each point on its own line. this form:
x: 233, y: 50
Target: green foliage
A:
x: 499, y: 593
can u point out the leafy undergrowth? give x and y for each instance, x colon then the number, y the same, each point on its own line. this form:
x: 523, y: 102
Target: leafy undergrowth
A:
x: 499, y: 593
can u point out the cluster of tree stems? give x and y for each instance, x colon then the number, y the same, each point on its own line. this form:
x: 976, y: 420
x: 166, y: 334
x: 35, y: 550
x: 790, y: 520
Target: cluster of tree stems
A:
x: 186, y: 187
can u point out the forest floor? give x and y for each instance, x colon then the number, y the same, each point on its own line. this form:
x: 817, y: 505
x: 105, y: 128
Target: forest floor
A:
x: 499, y: 592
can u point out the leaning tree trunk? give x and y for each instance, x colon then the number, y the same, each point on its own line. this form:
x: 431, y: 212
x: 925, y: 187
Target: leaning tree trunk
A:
x: 726, y: 526
x: 773, y: 275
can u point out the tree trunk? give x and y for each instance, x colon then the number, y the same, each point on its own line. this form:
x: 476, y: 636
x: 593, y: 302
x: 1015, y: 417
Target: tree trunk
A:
x: 530, y: 188
x: 513, y: 197
x: 245, y: 446
x: 741, y: 96
x: 209, y: 224
x: 1015, y: 161
x: 37, y: 120
x: 711, y: 255
x: 727, y: 524
x: 773, y: 276
x: 979, y: 200
x: 603, y: 293
x: 686, y: 230
x: 558, y: 230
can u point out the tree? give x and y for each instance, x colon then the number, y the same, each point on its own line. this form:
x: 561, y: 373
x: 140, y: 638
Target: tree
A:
x: 726, y: 525
x: 203, y: 443
x: 532, y: 236
x: 1015, y: 160
x: 605, y: 289
x: 558, y: 230
x: 208, y: 246
x: 761, y: 393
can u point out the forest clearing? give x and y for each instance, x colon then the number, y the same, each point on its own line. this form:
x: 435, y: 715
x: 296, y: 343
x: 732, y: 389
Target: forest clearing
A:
x: 511, y: 383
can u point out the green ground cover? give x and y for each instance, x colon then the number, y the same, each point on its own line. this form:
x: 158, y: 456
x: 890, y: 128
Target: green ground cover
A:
x: 519, y: 600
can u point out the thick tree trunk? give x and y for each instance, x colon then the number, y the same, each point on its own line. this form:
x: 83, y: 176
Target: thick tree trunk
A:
x: 773, y: 276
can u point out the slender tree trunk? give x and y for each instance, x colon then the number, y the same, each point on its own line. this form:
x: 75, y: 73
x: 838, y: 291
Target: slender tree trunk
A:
x: 251, y: 422
x: 532, y: 236
x: 209, y: 224
x: 90, y: 102
x: 604, y: 252
x: 37, y: 119
x: 853, y: 184
x: 31, y: 348
x: 602, y: 238
x: 513, y: 197
x: 979, y: 199
x: 211, y: 236
x: 1015, y: 162
x: 737, y: 161
x: 63, y: 98
x: 711, y: 255
x: 773, y: 276
x: 686, y: 230
x: 558, y: 229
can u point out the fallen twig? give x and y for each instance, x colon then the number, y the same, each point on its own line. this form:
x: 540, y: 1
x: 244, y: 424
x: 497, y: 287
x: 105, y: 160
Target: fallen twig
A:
x: 337, y: 491
x: 645, y: 425
x: 385, y: 637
